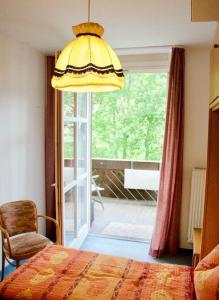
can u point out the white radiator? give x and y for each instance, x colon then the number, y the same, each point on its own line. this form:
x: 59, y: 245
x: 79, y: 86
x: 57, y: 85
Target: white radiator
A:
x: 197, y: 198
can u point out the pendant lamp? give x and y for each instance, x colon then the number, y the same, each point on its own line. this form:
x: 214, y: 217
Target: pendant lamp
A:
x: 88, y: 63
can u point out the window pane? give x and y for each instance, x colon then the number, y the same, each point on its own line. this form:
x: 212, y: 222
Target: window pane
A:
x: 68, y: 100
x: 81, y: 148
x: 68, y: 106
x: 82, y: 200
x: 129, y: 124
x: 69, y: 141
x: 82, y: 105
x: 69, y: 216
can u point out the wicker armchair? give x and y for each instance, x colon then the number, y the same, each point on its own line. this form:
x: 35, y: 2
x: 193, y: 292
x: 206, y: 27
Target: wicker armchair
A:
x: 19, y: 229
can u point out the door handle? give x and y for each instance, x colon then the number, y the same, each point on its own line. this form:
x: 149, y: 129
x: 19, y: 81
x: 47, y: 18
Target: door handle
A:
x: 53, y: 185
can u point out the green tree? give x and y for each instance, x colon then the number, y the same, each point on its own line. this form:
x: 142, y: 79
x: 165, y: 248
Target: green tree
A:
x: 68, y: 109
x: 129, y: 124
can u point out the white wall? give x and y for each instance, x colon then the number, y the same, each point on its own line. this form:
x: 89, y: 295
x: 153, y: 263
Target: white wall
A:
x: 196, y: 125
x: 22, y: 97
x: 150, y: 62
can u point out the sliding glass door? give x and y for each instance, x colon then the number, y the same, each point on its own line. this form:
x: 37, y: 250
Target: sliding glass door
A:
x: 76, y: 167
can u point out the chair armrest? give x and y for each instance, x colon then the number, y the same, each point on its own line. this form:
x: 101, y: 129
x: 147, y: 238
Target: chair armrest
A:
x: 5, y: 235
x: 56, y: 224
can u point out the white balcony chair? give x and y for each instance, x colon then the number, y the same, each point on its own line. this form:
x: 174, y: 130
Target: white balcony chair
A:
x: 97, y: 189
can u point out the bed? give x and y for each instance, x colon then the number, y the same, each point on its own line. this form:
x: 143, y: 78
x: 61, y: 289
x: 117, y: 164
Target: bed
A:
x: 58, y: 273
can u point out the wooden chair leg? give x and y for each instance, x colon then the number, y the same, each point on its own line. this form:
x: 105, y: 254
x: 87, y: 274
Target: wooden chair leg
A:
x: 3, y: 266
x: 17, y: 264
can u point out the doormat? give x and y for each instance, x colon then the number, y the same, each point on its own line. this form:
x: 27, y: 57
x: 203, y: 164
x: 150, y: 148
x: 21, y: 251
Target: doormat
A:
x: 129, y: 230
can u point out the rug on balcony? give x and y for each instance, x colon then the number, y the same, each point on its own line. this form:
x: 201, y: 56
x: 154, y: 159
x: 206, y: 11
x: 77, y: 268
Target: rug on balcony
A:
x: 128, y: 230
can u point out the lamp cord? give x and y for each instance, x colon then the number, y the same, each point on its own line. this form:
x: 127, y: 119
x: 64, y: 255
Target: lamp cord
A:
x: 88, y: 11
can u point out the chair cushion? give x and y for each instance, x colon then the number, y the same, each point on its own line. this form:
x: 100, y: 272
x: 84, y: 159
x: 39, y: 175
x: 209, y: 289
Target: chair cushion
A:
x: 206, y: 276
x: 26, y: 245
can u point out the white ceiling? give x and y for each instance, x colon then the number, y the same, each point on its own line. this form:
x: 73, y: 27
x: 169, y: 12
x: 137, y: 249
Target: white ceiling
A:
x: 46, y: 24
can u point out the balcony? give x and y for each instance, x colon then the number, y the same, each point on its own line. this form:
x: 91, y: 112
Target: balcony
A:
x: 127, y: 213
x: 111, y: 175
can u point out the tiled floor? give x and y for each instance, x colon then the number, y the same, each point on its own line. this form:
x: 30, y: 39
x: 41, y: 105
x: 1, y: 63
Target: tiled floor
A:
x: 124, y: 218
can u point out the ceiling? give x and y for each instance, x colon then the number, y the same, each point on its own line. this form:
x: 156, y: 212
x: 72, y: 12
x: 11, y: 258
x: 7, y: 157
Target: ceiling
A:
x: 46, y: 24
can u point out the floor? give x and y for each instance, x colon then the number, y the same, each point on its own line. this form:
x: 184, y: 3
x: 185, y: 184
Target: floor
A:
x: 122, y: 218
x: 133, y: 250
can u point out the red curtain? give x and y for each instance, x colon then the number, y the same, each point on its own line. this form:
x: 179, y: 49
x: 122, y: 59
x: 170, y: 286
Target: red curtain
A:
x: 50, y: 148
x: 166, y: 232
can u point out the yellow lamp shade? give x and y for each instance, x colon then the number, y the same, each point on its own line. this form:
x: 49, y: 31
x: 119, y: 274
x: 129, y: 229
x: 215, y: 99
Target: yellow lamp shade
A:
x: 88, y: 63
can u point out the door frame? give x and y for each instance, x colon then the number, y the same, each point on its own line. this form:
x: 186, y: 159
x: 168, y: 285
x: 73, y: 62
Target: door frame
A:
x: 80, y: 234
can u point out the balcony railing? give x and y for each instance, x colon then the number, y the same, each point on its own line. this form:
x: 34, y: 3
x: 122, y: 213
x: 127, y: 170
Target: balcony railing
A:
x: 110, y: 176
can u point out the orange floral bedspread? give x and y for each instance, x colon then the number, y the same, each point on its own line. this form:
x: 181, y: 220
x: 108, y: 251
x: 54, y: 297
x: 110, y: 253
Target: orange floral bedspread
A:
x: 63, y: 273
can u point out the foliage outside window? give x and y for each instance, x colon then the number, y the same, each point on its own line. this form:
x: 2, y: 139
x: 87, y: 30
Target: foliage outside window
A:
x: 68, y: 100
x: 129, y: 124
